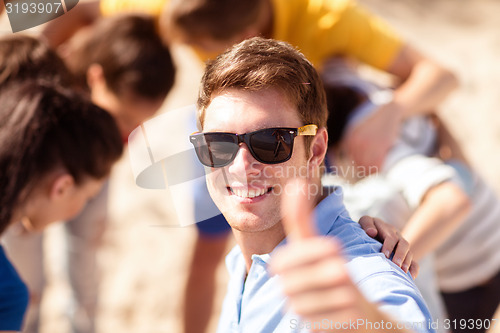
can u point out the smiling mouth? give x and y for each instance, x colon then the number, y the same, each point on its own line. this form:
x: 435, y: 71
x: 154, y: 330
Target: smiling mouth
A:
x: 249, y: 193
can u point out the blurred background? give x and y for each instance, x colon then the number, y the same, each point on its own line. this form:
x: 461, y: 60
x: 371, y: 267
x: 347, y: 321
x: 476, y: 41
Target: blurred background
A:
x: 144, y: 261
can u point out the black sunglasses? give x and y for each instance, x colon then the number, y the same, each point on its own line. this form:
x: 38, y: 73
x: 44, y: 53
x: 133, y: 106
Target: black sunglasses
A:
x: 268, y: 146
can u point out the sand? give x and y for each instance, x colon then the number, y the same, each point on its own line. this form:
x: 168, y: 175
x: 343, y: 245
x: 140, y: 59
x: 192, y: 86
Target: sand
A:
x: 144, y: 262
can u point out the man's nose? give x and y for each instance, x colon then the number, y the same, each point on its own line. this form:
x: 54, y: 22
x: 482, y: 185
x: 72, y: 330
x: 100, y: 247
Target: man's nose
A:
x: 244, y: 162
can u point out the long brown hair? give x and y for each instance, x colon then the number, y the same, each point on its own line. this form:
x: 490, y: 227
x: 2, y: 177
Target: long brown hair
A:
x: 43, y: 127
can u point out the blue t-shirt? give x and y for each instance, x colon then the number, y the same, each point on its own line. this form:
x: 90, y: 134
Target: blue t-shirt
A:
x: 14, y: 296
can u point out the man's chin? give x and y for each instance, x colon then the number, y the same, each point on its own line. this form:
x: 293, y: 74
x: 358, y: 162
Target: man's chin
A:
x: 250, y: 222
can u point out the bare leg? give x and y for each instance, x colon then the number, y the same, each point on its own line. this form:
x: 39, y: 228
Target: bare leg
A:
x: 200, y: 289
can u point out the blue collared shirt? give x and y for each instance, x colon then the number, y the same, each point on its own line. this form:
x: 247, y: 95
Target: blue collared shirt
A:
x: 256, y: 304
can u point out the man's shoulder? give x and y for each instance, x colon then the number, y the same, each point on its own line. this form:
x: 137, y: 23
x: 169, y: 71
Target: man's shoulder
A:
x: 374, y: 265
x: 362, y: 252
x: 355, y: 241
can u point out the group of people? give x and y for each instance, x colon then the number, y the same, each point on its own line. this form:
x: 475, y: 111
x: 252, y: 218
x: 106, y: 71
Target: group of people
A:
x: 277, y: 70
x: 130, y: 89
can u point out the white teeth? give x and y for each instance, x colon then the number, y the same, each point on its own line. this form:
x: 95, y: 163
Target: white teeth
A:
x: 244, y: 193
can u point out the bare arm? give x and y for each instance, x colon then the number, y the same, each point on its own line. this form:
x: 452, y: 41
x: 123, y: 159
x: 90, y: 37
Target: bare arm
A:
x: 424, y: 85
x: 59, y: 30
x: 441, y: 212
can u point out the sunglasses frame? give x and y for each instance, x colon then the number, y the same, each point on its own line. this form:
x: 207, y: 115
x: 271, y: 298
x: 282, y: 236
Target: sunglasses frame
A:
x: 306, y: 130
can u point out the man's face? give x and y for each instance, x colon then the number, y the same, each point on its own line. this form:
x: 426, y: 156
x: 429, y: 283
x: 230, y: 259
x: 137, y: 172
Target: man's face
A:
x: 248, y: 192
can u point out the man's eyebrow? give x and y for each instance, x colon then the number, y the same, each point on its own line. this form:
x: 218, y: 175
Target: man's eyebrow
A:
x: 249, y: 131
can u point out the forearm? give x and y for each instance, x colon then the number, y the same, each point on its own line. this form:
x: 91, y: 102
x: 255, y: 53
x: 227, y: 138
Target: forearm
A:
x: 440, y: 213
x: 424, y: 83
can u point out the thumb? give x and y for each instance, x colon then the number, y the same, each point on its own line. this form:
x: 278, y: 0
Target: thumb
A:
x: 297, y: 207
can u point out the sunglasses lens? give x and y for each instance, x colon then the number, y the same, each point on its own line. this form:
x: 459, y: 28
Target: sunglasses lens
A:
x: 216, y: 149
x: 272, y: 145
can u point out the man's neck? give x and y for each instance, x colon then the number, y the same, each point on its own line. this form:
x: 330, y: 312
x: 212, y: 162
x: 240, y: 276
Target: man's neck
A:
x: 265, y: 241
x: 258, y: 242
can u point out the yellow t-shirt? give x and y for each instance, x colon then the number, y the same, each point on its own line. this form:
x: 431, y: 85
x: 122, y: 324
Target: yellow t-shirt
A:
x: 320, y: 29
x: 151, y: 7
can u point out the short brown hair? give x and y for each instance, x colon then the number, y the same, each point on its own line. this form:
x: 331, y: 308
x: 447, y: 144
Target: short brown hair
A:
x: 259, y: 63
x: 43, y: 127
x: 131, y: 53
x: 215, y: 19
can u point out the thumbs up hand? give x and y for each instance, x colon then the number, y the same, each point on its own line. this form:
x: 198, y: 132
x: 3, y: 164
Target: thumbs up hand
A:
x: 312, y: 269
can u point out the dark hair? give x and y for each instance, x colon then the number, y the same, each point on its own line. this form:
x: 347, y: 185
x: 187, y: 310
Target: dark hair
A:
x: 131, y: 53
x: 42, y: 128
x: 341, y: 101
x: 215, y: 19
x: 24, y: 57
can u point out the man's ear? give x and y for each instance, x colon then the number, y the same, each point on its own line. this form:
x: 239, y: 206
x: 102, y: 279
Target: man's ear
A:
x: 318, y: 148
x: 95, y: 76
x: 62, y: 186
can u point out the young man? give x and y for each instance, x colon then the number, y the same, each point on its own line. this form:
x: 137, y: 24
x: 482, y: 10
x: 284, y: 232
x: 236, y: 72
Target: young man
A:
x: 262, y: 111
